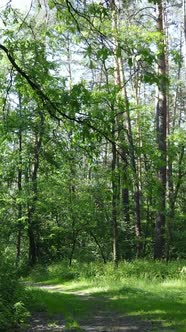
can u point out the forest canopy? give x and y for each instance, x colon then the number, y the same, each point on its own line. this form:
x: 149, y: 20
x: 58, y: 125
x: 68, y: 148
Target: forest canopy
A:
x: 92, y: 130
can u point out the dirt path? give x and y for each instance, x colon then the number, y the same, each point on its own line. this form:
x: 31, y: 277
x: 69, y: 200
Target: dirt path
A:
x: 101, y: 319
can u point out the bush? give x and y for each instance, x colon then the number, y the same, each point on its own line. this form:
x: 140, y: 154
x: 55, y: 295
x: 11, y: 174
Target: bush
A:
x: 21, y: 314
x: 5, y: 316
x: 12, y: 311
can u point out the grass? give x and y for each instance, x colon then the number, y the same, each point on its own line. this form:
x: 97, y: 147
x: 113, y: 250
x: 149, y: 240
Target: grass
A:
x: 149, y: 290
x: 157, y: 301
x: 66, y: 304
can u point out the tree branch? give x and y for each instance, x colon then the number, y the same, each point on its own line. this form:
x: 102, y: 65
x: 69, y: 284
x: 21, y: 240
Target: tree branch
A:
x: 47, y: 101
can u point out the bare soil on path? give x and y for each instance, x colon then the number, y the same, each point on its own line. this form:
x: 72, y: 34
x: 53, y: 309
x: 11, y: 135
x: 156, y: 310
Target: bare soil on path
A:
x: 101, y: 319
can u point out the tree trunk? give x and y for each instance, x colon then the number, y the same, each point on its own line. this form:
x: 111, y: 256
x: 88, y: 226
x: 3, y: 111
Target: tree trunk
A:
x: 184, y: 29
x: 137, y: 192
x: 125, y: 121
x: 33, y: 253
x: 33, y: 223
x: 19, y: 185
x: 114, y: 206
x: 161, y: 118
x: 125, y: 204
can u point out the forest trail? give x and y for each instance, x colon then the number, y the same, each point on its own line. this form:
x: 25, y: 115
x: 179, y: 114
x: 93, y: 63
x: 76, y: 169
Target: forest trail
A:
x: 101, y: 319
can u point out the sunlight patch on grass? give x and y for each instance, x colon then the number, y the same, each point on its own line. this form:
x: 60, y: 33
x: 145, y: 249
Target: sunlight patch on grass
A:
x: 72, y: 324
x: 78, y: 287
x: 151, y: 312
x: 174, y: 283
x: 53, y: 324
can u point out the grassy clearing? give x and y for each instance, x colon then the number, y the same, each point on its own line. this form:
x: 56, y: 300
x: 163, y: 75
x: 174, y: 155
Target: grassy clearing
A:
x: 152, y: 291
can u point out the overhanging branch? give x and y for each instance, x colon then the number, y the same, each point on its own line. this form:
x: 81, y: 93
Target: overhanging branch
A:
x: 47, y: 101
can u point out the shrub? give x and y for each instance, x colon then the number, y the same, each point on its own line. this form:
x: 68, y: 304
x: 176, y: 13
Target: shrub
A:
x: 5, y: 315
x: 12, y: 311
x: 21, y: 314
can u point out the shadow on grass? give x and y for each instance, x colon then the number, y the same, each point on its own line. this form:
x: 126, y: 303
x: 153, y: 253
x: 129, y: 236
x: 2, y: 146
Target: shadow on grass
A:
x: 56, y: 302
x: 162, y: 308
x: 93, y: 314
x: 156, y: 306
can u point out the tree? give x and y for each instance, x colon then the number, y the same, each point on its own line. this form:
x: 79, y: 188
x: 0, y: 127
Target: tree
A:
x: 86, y: 174
x: 161, y: 123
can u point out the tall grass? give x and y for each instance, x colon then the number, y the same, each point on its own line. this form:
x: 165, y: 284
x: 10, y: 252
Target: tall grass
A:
x: 140, y: 269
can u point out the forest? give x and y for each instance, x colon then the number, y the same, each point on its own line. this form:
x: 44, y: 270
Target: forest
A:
x: 92, y: 151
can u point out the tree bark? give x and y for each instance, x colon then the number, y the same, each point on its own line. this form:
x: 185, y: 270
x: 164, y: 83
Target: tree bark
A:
x: 19, y: 185
x: 184, y: 29
x: 114, y: 206
x: 33, y: 223
x: 161, y: 119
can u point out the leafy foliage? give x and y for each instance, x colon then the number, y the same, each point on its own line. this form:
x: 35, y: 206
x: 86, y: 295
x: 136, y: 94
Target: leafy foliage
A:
x: 79, y: 145
x: 13, y: 312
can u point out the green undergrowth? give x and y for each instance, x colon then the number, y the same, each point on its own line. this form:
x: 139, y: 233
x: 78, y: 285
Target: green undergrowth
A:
x: 153, y: 291
x: 70, y: 306
x: 13, y: 312
x: 62, y: 272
